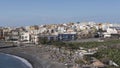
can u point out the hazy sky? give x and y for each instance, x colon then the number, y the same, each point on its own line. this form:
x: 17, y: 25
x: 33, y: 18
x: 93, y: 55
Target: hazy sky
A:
x: 31, y: 12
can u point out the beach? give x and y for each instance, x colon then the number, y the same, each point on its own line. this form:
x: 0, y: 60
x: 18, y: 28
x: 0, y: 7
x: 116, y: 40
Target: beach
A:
x: 12, y: 61
x: 36, y: 55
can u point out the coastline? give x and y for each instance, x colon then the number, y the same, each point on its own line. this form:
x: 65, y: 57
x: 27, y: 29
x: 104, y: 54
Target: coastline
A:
x: 29, y: 60
x: 36, y: 59
x: 26, y: 62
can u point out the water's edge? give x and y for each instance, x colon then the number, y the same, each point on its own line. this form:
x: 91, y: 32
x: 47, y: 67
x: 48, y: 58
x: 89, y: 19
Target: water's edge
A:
x: 22, y: 60
x: 33, y: 61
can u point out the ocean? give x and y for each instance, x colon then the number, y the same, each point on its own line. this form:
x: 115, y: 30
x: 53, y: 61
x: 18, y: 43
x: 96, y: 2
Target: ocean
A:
x: 11, y: 61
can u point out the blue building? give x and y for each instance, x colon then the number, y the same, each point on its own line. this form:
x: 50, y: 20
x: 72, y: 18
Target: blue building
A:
x: 66, y: 37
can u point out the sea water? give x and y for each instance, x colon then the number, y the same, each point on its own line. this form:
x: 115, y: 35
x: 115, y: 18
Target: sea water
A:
x: 11, y: 61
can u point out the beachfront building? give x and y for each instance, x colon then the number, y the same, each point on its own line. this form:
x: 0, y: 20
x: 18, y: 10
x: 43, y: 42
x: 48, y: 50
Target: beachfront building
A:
x: 25, y: 37
x: 35, y: 38
x: 14, y: 35
x: 6, y: 33
x: 33, y: 35
x: 67, y: 36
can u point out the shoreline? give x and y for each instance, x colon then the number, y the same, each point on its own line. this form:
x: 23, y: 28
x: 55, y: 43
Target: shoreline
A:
x: 32, y: 61
x: 26, y: 62
x: 36, y: 59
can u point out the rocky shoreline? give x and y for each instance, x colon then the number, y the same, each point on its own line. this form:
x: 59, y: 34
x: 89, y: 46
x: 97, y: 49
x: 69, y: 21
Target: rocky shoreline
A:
x: 34, y: 55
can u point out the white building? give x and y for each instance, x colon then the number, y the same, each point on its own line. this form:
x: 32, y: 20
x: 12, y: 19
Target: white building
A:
x: 110, y: 31
x: 25, y: 37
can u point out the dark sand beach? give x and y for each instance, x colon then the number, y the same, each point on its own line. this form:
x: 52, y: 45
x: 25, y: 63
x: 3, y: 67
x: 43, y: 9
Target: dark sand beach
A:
x: 36, y: 55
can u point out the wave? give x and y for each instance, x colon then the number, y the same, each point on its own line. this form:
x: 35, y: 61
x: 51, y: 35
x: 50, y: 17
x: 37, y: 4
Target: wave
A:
x: 22, y: 60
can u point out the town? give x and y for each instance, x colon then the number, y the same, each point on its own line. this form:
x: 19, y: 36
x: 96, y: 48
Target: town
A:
x: 61, y: 32
x: 64, y: 36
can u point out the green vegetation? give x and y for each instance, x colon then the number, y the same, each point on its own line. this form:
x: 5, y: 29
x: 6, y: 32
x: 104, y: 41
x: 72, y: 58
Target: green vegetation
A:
x: 76, y: 45
x: 107, y: 49
x: 96, y: 44
x: 109, y: 53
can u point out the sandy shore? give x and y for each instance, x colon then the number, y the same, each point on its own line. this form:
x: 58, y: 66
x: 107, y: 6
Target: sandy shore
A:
x: 35, y: 55
x: 19, y: 58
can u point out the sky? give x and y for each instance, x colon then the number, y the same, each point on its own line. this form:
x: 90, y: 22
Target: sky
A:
x: 37, y: 12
